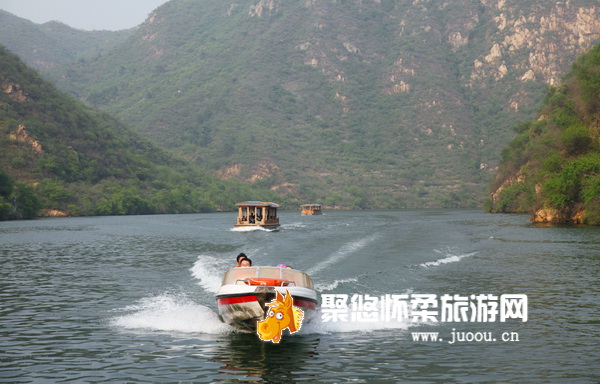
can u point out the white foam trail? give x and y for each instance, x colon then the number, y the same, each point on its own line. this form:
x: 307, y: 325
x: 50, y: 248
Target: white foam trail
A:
x: 209, y: 271
x: 293, y: 226
x: 342, y: 252
x: 450, y: 258
x: 250, y: 229
x: 168, y: 313
x: 334, y: 285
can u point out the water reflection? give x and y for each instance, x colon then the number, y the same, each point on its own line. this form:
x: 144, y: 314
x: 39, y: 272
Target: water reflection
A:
x: 245, y: 358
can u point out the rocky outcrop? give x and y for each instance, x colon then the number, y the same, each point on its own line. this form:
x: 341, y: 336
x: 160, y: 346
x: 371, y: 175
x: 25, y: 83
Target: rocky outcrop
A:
x: 52, y: 213
x: 22, y: 136
x: 261, y: 171
x: 399, y: 79
x: 495, y: 195
x: 555, y: 216
x: 262, y: 6
x: 15, y: 92
x: 573, y: 215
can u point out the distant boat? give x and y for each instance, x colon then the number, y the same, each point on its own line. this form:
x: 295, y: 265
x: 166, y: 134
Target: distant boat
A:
x: 257, y: 214
x: 311, y: 209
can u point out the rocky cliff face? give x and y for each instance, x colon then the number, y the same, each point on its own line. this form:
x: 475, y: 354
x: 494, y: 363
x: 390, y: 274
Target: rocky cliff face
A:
x: 531, y: 44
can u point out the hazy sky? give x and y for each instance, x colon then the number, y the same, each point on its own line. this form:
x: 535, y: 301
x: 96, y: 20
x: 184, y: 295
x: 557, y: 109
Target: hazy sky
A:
x: 84, y: 14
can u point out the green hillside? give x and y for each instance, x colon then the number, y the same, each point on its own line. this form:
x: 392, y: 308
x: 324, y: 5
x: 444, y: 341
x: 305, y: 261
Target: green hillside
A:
x: 552, y: 168
x: 58, y: 154
x: 370, y: 104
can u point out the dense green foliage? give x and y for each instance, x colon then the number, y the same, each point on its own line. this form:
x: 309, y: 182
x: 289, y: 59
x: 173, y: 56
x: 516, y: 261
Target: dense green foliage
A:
x: 353, y: 104
x: 66, y: 156
x: 308, y: 96
x: 17, y: 200
x: 560, y: 153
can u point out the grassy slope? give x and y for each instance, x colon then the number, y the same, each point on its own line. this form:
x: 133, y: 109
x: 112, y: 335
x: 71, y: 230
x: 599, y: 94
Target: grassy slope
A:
x: 85, y: 162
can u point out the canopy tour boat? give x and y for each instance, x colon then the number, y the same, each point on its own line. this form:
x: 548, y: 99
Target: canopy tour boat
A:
x: 245, y: 291
x: 257, y: 214
x: 311, y: 209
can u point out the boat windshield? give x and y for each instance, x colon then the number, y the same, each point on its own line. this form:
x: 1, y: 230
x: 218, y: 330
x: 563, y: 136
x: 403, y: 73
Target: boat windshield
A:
x: 237, y: 275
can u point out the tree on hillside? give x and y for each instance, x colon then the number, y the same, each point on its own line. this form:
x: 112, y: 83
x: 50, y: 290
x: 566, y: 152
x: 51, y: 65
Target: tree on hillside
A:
x: 17, y: 200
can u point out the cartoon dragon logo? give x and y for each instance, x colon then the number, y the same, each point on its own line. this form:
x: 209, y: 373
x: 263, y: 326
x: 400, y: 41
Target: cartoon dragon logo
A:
x: 281, y: 315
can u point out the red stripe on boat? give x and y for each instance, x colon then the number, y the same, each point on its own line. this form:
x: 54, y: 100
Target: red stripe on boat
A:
x: 246, y: 299
x: 236, y: 299
x: 305, y: 303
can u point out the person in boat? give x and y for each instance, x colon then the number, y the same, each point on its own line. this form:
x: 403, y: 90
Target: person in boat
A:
x: 239, y: 258
x: 246, y: 262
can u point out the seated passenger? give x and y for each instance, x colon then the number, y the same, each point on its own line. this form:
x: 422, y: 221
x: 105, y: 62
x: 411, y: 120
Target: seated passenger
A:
x: 239, y: 258
x: 246, y: 262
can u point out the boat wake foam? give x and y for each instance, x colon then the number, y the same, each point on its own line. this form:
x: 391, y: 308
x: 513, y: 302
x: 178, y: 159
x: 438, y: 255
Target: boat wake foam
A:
x: 334, y: 285
x: 347, y: 249
x: 449, y: 258
x: 170, y: 313
x: 294, y: 225
x: 209, y: 271
x: 176, y: 313
x: 251, y: 229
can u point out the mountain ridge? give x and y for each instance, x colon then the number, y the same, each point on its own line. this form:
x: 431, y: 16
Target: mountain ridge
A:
x: 370, y: 104
x: 44, y: 46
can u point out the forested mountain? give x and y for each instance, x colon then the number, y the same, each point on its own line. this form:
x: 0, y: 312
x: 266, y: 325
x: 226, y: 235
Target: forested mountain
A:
x: 47, y: 45
x: 552, y: 168
x: 354, y: 104
x: 60, y: 155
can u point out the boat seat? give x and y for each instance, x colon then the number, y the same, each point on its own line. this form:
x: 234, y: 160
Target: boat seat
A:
x: 266, y: 281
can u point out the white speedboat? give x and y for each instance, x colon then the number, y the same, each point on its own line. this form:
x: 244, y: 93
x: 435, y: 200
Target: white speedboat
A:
x: 245, y: 291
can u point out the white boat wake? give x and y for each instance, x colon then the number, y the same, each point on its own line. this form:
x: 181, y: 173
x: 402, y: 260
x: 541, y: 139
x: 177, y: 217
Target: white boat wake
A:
x: 251, y: 229
x: 449, y: 258
x: 170, y: 313
x: 347, y: 249
x: 209, y: 271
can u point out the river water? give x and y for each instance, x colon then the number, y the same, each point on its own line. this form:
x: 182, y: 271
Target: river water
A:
x: 131, y: 299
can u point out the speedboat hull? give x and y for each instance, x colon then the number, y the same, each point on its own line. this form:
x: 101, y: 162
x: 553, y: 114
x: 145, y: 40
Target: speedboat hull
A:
x: 242, y: 303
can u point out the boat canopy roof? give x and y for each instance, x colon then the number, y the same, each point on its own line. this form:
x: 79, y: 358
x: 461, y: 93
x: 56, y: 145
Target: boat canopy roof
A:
x: 310, y: 205
x: 257, y: 204
x: 238, y: 275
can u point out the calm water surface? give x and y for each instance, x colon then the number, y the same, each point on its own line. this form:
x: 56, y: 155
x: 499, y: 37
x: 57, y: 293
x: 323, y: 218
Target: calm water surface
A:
x: 131, y: 299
